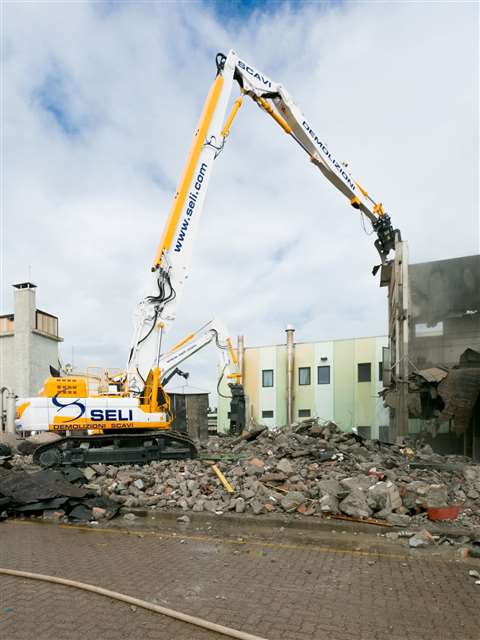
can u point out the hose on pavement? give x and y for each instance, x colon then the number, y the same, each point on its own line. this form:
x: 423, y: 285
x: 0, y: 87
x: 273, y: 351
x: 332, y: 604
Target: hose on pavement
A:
x: 178, y: 615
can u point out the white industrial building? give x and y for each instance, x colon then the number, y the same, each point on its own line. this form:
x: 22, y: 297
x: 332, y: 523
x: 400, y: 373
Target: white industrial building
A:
x: 28, y: 343
x: 337, y: 380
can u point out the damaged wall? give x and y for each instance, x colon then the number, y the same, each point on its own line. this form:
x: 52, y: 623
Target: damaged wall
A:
x: 444, y: 317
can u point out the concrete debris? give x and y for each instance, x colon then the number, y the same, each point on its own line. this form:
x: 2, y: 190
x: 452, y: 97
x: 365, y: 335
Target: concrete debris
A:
x: 183, y: 519
x: 99, y: 513
x: 292, y: 500
x: 330, y: 487
x: 360, y: 483
x: 285, y: 466
x: 421, y: 539
x: 51, y: 495
x: 328, y: 504
x: 437, y: 495
x: 314, y: 469
x: 355, y: 505
x: 240, y: 505
x: 384, y: 496
x: 89, y: 473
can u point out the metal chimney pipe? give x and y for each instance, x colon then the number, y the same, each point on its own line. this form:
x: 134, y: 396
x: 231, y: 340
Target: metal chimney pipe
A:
x: 290, y: 361
x: 241, y: 357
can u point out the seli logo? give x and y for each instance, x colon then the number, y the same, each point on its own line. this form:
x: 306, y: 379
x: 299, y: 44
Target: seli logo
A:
x: 75, y: 403
x: 111, y: 414
x: 192, y: 201
x: 254, y: 74
x: 96, y: 415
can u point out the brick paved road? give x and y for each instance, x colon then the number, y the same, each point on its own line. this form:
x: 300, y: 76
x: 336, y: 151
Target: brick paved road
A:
x: 283, y: 592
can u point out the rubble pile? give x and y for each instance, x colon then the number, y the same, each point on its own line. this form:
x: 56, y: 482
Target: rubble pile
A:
x: 314, y: 469
x: 53, y: 495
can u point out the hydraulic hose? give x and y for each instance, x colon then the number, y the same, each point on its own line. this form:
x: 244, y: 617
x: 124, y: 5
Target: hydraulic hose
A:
x: 178, y: 615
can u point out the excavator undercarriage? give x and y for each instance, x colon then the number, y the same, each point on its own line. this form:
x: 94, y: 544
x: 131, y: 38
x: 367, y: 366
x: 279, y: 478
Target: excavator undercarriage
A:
x: 116, y: 448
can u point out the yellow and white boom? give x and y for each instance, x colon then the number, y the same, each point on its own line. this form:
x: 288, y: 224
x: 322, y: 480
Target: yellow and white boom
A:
x: 171, y: 264
x: 213, y: 331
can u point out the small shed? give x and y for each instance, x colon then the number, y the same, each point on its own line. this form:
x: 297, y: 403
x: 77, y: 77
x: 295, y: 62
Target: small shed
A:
x: 190, y: 410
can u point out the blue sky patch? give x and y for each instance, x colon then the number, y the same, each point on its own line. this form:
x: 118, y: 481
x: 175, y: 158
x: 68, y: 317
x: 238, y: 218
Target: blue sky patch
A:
x: 52, y: 97
x: 238, y: 9
x: 244, y: 8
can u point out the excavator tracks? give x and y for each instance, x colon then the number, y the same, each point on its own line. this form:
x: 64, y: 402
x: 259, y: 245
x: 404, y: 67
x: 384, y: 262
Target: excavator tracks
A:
x: 115, y: 448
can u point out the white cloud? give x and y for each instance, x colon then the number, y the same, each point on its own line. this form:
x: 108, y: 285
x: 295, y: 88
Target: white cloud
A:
x: 393, y: 88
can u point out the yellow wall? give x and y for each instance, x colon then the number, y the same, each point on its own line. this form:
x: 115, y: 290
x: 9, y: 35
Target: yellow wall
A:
x: 281, y: 381
x: 344, y: 391
x: 364, y: 391
x: 303, y: 395
x: 252, y: 382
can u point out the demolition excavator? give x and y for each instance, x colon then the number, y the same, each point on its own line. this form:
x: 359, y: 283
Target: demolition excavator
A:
x: 126, y: 417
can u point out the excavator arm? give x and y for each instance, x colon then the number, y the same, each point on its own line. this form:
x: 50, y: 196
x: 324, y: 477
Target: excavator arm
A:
x: 171, y: 265
x: 170, y: 269
x: 213, y: 331
x: 275, y: 100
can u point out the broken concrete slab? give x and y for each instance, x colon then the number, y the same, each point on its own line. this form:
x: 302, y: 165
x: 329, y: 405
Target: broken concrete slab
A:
x: 328, y: 503
x: 437, y: 495
x: 89, y: 473
x: 355, y: 505
x: 421, y: 539
x: 385, y: 496
x: 285, y: 467
x: 331, y: 487
x: 292, y: 500
x: 22, y: 487
x: 362, y: 483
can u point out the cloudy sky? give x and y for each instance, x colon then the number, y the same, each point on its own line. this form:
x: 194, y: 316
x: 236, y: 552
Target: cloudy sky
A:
x: 99, y: 103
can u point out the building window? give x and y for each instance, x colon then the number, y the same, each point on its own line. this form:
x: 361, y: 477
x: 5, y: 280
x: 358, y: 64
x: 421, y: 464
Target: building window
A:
x: 424, y: 331
x: 365, y: 432
x: 323, y: 375
x: 267, y: 378
x: 303, y: 375
x: 364, y: 372
x: 267, y: 414
x: 304, y: 413
x: 380, y: 371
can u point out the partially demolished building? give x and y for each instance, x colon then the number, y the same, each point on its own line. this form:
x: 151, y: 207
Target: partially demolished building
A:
x: 433, y: 378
